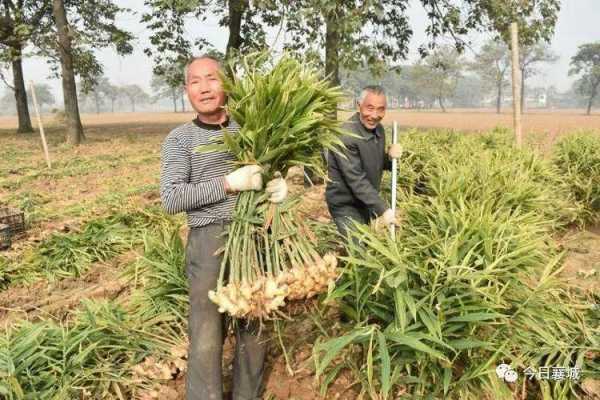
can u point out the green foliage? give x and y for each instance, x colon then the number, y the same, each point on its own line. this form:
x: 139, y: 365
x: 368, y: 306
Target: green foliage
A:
x: 93, y: 357
x: 92, y: 23
x: 171, y: 46
x: 586, y: 63
x: 466, y: 167
x: 93, y: 26
x: 160, y: 276
x: 284, y: 111
x: 21, y: 21
x: 536, y: 20
x: 369, y: 34
x: 470, y: 281
x: 71, y: 254
x: 438, y: 74
x: 492, y: 64
x: 578, y: 159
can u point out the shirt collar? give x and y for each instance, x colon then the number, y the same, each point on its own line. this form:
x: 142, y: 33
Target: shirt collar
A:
x: 211, y: 127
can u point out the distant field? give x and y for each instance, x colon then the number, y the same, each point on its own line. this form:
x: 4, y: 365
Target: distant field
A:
x: 477, y: 119
x: 559, y: 121
x: 10, y: 122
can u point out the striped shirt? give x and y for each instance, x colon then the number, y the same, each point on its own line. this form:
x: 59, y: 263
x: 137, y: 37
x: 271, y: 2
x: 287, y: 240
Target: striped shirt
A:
x: 192, y: 182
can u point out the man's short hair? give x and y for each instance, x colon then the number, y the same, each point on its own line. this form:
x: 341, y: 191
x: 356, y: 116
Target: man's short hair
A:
x: 373, y: 89
x: 197, y: 58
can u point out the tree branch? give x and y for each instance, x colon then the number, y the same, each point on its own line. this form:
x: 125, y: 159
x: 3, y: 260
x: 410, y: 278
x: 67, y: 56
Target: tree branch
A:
x: 9, y: 6
x: 3, y: 78
x: 40, y: 13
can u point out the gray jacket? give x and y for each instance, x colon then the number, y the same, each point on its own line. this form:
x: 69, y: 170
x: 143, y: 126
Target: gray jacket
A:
x: 356, y: 179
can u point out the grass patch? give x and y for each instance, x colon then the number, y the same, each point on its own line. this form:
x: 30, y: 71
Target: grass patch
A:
x: 71, y: 254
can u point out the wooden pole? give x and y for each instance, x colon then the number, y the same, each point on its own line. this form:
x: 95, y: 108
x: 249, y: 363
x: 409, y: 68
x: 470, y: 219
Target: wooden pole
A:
x: 394, y: 178
x: 516, y: 84
x: 39, y: 119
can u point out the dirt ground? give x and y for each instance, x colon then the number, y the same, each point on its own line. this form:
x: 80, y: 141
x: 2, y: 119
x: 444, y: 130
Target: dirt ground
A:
x: 119, y: 164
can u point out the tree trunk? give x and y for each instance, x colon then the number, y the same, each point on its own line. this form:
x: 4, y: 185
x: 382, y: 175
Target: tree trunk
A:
x: 236, y: 11
x: 499, y: 98
x: 332, y: 71
x: 332, y: 45
x: 591, y: 101
x: 132, y: 105
x: 20, y: 93
x: 112, y: 105
x: 182, y: 102
x: 441, y: 102
x: 174, y: 98
x: 74, y: 127
x: 97, y: 101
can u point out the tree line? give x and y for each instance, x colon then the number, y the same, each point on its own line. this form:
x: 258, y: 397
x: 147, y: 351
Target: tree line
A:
x: 339, y: 35
x: 103, y: 97
x: 445, y: 75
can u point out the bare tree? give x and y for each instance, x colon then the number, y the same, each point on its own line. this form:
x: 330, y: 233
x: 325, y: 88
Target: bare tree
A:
x: 531, y: 56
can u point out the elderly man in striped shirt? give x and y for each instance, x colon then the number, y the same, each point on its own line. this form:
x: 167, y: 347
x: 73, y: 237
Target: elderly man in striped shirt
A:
x: 205, y: 186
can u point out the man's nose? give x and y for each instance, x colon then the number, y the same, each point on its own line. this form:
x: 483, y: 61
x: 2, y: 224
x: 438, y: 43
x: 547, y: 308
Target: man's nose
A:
x: 203, y: 87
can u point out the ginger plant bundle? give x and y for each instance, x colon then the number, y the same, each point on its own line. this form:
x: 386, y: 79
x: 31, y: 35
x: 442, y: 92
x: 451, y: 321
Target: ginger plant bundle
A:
x: 286, y: 113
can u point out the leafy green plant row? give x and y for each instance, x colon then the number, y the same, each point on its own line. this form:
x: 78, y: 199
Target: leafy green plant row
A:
x: 71, y: 254
x: 471, y: 281
x: 97, y: 352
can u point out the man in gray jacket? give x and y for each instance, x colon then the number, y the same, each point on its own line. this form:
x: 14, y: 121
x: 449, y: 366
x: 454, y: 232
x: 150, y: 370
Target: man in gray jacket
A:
x: 352, y: 192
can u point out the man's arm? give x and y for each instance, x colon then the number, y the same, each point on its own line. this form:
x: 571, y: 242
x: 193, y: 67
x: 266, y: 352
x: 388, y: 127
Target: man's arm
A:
x: 356, y: 179
x: 176, y: 193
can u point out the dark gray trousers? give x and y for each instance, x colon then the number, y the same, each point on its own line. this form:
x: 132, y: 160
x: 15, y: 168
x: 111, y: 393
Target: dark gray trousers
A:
x: 206, y: 327
x: 343, y: 216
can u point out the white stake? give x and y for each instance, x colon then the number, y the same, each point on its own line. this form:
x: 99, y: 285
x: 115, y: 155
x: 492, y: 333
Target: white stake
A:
x: 394, y: 177
x: 516, y: 83
x: 39, y: 118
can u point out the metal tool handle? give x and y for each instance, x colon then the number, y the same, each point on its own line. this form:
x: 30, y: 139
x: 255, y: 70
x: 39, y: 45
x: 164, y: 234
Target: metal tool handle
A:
x: 394, y: 178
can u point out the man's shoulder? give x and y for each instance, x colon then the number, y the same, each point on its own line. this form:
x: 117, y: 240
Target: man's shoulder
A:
x: 350, y: 124
x: 186, y: 135
x: 352, y: 127
x: 182, y: 131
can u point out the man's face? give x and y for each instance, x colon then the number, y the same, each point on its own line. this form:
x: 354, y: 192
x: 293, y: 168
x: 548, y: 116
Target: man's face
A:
x: 372, y: 110
x: 204, y: 87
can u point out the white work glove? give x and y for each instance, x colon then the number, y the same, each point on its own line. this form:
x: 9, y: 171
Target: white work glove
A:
x: 245, y: 178
x: 277, y: 189
x: 389, y: 218
x: 395, y: 151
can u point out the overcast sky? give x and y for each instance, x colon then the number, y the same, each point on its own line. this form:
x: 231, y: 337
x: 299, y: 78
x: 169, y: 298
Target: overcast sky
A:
x: 578, y: 23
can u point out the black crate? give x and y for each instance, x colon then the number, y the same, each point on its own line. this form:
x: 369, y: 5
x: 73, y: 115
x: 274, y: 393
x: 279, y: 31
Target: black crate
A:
x: 14, y: 218
x: 5, y: 236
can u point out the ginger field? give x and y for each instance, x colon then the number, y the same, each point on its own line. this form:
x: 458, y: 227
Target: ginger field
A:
x: 96, y: 236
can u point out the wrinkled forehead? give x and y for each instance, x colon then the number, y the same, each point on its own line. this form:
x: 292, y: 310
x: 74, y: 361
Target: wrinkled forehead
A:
x: 374, y: 99
x: 203, y: 67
